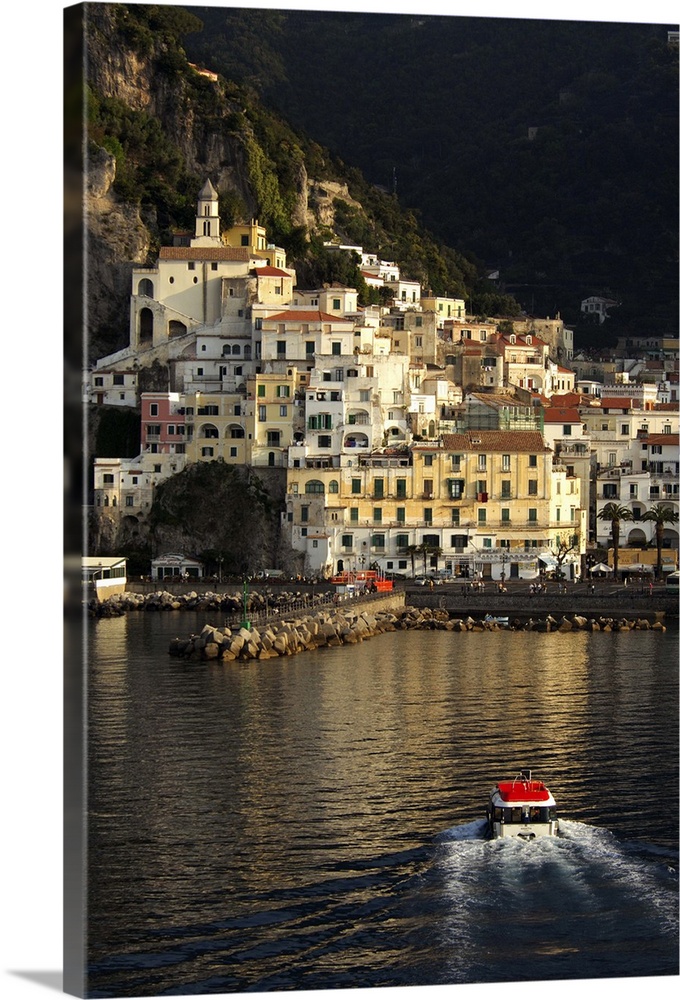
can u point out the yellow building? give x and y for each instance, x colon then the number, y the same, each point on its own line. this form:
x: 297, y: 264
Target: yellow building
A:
x: 216, y: 428
x: 271, y: 412
x: 477, y: 501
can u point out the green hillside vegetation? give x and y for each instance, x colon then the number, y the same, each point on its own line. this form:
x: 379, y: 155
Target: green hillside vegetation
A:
x: 223, y: 512
x: 444, y: 105
x: 152, y: 172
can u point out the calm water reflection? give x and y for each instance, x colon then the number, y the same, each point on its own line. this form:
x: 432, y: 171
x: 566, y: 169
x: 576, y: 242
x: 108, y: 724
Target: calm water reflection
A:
x: 292, y: 823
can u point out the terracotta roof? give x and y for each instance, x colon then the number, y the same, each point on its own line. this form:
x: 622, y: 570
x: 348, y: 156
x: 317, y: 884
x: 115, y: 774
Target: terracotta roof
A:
x: 205, y: 253
x: 305, y: 316
x: 670, y: 439
x: 521, y: 340
x: 567, y: 371
x: 562, y: 415
x: 491, y: 441
x: 569, y: 398
x: 616, y: 403
x: 271, y: 272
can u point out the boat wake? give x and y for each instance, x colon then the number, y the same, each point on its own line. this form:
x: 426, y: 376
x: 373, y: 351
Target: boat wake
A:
x: 576, y: 905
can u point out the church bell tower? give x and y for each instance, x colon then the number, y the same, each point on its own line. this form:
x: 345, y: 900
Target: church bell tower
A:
x: 207, y: 216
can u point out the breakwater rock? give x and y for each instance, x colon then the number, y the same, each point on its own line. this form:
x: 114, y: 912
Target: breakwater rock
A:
x: 259, y: 602
x: 289, y: 636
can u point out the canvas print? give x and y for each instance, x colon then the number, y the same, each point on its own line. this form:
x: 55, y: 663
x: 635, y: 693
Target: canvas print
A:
x: 372, y: 521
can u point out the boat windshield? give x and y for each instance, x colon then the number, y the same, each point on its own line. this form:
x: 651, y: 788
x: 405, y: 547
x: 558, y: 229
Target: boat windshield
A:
x: 524, y: 814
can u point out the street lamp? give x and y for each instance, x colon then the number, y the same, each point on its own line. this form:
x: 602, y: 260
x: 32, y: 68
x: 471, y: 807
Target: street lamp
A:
x: 504, y: 560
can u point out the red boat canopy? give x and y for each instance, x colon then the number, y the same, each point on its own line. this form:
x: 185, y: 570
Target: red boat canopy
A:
x: 523, y: 791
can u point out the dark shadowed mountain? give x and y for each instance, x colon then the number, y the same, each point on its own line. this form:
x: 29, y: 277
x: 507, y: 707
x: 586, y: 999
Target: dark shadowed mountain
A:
x: 545, y: 149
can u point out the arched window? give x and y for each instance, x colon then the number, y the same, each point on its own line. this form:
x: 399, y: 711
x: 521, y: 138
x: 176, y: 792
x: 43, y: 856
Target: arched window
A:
x: 333, y: 486
x: 247, y: 351
x: 236, y: 349
x: 206, y: 227
x: 209, y: 431
x: 226, y: 350
x: 145, y: 288
x: 314, y: 486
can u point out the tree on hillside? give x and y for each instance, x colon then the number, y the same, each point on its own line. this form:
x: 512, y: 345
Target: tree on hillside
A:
x: 660, y: 515
x: 616, y: 513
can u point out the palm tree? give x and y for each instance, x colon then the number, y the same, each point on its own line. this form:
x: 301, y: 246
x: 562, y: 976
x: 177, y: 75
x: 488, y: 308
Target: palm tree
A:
x: 412, y: 550
x: 615, y: 513
x: 660, y: 515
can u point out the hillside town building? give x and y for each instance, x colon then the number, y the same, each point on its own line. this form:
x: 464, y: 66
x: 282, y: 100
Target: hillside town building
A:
x: 412, y: 437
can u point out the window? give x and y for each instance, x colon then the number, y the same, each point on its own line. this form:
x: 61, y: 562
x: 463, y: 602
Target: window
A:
x: 262, y: 413
x: 456, y: 488
x: 304, y: 514
x: 481, y: 515
x: 324, y: 440
x: 108, y: 479
x: 401, y: 488
x: 354, y: 514
x: 283, y: 391
x: 347, y: 541
x: 481, y: 463
x: 533, y: 487
x: 505, y: 463
x: 378, y: 541
x: 233, y: 452
x: 153, y: 410
x: 401, y: 515
x: 625, y: 430
x: 402, y: 541
x: 377, y: 515
x: 505, y: 514
x: 427, y: 515
x: 667, y: 428
x: 129, y: 502
x: 533, y: 461
x: 336, y: 303
x: 336, y: 348
x: 333, y: 486
x: 153, y: 429
x: 379, y: 488
x: 455, y: 517
x: 609, y: 491
x: 207, y: 452
x: 566, y: 430
x: 309, y: 348
x: 280, y: 348
x: 427, y: 459
x: 283, y: 411
x: 505, y: 488
x: 533, y: 514
x: 119, y: 380
x: 99, y: 380
x: 455, y: 463
x: 273, y: 439
x: 261, y: 390
x: 356, y: 486
x: 428, y: 487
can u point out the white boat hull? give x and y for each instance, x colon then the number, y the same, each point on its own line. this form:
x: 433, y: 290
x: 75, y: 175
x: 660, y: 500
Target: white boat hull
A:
x: 524, y: 831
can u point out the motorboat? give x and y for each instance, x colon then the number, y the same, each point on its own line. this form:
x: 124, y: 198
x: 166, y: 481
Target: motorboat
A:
x: 523, y: 807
